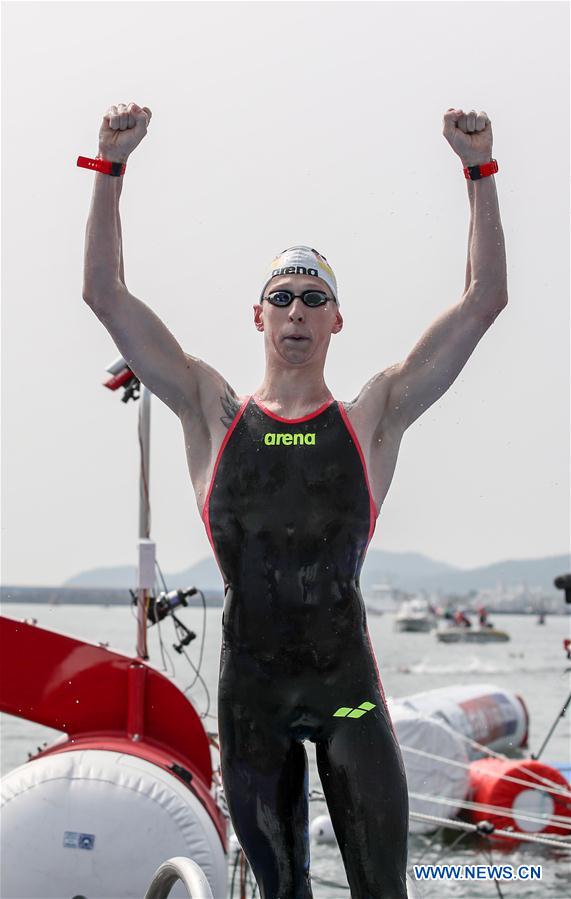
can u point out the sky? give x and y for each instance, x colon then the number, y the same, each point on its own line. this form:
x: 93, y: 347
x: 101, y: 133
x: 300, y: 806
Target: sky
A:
x: 277, y: 124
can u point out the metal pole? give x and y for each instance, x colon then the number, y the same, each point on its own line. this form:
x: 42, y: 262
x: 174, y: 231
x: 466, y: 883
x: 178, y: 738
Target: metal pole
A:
x: 144, y: 425
x: 553, y: 726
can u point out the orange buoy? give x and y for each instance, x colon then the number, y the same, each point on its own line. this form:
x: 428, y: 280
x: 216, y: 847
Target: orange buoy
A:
x: 516, y: 803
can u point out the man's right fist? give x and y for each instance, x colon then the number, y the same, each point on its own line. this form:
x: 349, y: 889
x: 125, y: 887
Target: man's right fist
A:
x: 123, y: 128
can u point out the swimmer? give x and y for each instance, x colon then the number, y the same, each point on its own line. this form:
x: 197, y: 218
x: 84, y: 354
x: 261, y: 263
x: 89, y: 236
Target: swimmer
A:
x: 483, y: 619
x: 289, y: 482
x: 461, y: 619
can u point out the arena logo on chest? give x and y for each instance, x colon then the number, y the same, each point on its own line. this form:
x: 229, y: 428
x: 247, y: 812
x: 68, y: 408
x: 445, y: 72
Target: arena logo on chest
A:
x: 299, y: 439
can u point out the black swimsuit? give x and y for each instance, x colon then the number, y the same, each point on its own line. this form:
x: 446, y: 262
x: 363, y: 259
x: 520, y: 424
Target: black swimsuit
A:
x: 289, y: 514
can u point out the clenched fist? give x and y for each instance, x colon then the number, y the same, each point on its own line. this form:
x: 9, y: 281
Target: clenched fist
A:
x: 123, y: 128
x: 469, y: 134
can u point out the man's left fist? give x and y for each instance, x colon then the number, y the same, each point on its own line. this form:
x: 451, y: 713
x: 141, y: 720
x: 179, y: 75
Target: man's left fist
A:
x: 469, y: 134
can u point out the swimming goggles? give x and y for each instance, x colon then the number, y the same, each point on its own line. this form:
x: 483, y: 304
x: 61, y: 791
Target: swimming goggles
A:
x: 311, y: 298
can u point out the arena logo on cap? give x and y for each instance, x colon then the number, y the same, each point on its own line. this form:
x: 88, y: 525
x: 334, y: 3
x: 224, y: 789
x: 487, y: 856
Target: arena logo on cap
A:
x: 295, y: 270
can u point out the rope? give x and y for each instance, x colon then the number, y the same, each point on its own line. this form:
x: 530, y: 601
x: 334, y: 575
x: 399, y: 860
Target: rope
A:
x: 317, y: 795
x: 475, y: 828
x: 433, y: 839
x: 485, y: 750
x: 486, y: 828
x: 487, y: 853
x: 553, y: 788
x: 448, y: 849
x: 559, y: 820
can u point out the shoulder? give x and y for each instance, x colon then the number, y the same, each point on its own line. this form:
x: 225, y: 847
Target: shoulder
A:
x: 372, y: 401
x: 216, y: 400
x: 370, y: 413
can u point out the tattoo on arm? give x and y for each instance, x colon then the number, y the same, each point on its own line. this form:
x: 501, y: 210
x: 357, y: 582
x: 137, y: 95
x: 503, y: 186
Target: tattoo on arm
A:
x: 230, y: 405
x: 348, y: 406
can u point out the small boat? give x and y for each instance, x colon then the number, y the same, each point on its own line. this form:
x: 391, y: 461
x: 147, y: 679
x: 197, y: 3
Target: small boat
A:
x: 415, y: 616
x: 472, y: 635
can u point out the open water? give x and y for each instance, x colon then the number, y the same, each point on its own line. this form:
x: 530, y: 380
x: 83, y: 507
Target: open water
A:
x: 533, y: 665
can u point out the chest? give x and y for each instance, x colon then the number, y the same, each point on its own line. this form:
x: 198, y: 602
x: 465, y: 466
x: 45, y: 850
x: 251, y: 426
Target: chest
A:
x: 300, y: 475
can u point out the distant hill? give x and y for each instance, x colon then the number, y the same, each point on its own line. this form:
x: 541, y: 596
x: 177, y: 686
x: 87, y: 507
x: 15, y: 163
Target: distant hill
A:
x: 409, y: 571
x: 531, y: 572
x: 120, y: 576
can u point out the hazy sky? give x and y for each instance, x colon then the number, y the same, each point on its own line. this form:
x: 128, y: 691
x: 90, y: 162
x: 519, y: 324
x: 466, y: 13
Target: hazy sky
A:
x: 276, y: 124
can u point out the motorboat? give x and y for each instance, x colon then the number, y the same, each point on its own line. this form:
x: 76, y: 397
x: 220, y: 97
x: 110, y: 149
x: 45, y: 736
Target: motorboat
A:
x: 464, y: 634
x: 415, y: 616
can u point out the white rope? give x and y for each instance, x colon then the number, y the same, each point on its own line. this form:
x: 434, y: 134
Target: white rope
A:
x: 558, y: 820
x: 554, y: 788
x: 474, y: 828
x: 479, y: 746
x: 562, y: 843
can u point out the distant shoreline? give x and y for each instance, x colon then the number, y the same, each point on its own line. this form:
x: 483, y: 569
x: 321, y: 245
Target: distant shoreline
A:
x: 102, y: 596
x: 214, y: 599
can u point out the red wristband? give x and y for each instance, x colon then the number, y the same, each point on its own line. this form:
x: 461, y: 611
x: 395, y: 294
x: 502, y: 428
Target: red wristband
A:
x: 102, y: 165
x: 475, y: 172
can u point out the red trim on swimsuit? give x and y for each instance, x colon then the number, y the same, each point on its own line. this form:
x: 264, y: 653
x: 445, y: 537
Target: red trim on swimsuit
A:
x: 372, y: 507
x: 374, y: 514
x: 292, y: 421
x: 380, y: 682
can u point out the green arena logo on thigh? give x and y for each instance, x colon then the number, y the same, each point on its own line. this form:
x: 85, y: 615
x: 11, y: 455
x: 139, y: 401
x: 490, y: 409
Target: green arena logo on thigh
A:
x: 362, y: 709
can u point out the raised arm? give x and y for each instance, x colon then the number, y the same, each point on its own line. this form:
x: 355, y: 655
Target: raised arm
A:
x: 411, y: 387
x: 181, y: 381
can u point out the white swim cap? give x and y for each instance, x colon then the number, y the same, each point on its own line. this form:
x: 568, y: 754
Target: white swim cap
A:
x: 302, y: 261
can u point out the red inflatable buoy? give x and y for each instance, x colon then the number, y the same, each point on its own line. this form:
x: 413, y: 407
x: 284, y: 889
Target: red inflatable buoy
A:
x: 489, y: 786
